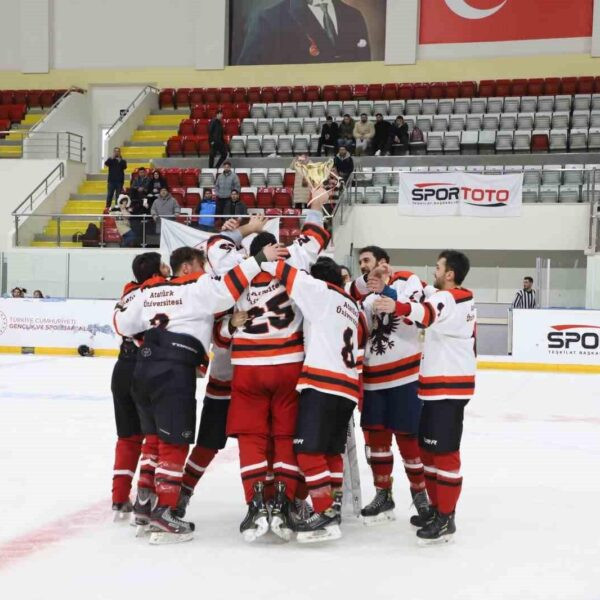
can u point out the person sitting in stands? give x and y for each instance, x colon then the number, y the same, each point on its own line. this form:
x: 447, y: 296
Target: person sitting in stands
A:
x: 156, y: 183
x: 346, y: 133
x: 343, y: 163
x: 140, y: 185
x: 206, y: 210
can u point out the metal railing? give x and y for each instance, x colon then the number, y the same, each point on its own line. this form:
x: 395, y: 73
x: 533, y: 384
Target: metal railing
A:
x: 54, y: 144
x: 142, y: 227
x: 70, y: 91
x: 143, y: 93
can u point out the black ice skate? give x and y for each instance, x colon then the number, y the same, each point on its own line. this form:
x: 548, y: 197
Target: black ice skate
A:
x: 256, y: 521
x: 281, y: 524
x: 380, y: 509
x: 439, y: 531
x: 144, y: 503
x: 321, y: 527
x: 167, y: 528
x: 122, y: 511
x: 184, y: 499
x: 425, y: 510
x: 338, y: 497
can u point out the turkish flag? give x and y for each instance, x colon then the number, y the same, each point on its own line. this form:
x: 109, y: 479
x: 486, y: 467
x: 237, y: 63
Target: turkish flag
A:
x: 465, y: 21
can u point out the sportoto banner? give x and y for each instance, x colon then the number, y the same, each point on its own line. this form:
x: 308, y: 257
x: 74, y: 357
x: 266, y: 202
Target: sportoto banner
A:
x: 174, y: 235
x: 457, y: 193
x: 57, y: 324
x: 557, y: 336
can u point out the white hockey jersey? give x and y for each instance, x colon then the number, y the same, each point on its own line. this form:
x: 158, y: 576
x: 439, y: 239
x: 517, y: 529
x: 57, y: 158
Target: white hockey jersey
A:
x: 448, y: 364
x: 273, y: 333
x: 393, y: 351
x: 185, y: 305
x: 334, y: 332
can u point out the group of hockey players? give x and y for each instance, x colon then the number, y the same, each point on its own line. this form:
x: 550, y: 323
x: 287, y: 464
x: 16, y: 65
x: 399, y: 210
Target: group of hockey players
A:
x: 292, y: 351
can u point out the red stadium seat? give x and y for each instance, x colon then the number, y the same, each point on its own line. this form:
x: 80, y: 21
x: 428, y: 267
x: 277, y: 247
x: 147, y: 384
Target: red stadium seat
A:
x: 172, y: 177
x: 7, y: 97
x: 179, y: 194
x: 110, y: 233
x: 375, y: 91
x: 198, y: 111
x: 267, y: 94
x: 20, y: 97
x: 298, y: 94
x: 453, y: 89
x: 540, y: 143
x: 187, y: 127
x: 390, y: 91
x: 551, y: 86
x: 273, y: 212
x: 244, y: 179
x: 535, y: 87
x: 242, y: 110
x: 253, y: 95
x: 345, y: 92
x: 182, y: 98
x: 4, y: 114
x: 201, y: 127
x: 289, y: 179
x: 196, y: 96
x: 226, y: 95
x: 568, y: 86
x: 519, y: 88
x: 264, y: 197
x: 231, y: 126
x: 360, y: 91
x: 239, y: 95
x: 204, y: 145
x: 283, y: 94
x: 503, y: 87
x: 166, y: 98
x: 330, y: 93
x: 406, y: 91
x: 211, y: 95
x: 468, y: 89
x: 4, y: 126
x: 293, y: 218
x: 282, y: 198
x: 421, y: 91
x: 487, y: 88
x: 16, y: 112
x: 284, y: 235
x: 48, y: 98
x: 189, y: 178
x: 228, y: 110
x: 437, y: 90
x: 585, y: 85
x: 312, y: 93
x: 211, y: 109
x: 597, y: 85
x: 248, y: 197
x: 190, y: 145
x: 192, y: 199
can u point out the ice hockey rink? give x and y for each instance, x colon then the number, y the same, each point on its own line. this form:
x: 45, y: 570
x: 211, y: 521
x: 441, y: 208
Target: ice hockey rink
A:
x: 526, y: 519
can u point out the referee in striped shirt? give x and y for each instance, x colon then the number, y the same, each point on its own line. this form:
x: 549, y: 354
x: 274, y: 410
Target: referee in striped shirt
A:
x: 525, y: 298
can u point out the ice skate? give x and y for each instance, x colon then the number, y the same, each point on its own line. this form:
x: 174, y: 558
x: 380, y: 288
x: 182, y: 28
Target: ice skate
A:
x: 425, y: 510
x: 281, y: 524
x: 338, y: 498
x: 380, y: 509
x: 142, y: 509
x: 122, y: 511
x: 440, y: 530
x: 321, y: 527
x: 256, y: 521
x: 167, y: 528
x: 182, y: 503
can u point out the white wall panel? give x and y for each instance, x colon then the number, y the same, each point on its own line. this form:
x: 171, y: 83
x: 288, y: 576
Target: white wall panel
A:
x: 211, y: 34
x: 9, y: 36
x: 34, y: 36
x: 401, y: 32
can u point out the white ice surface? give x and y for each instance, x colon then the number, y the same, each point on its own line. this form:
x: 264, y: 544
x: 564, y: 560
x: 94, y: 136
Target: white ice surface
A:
x: 526, y: 519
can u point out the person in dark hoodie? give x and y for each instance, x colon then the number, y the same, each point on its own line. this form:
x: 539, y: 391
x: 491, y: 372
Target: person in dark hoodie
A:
x: 343, y: 163
x: 216, y: 139
x: 382, y: 135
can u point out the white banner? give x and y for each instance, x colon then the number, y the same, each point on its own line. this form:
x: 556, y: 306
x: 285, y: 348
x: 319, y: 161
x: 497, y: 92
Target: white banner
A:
x: 53, y: 323
x: 174, y: 235
x: 557, y: 336
x: 458, y: 193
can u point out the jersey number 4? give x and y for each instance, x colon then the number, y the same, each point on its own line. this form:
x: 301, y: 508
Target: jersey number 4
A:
x: 282, y: 315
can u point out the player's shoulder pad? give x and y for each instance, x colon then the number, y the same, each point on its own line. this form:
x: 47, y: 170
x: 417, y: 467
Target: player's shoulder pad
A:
x: 130, y: 287
x: 401, y: 276
x: 461, y: 295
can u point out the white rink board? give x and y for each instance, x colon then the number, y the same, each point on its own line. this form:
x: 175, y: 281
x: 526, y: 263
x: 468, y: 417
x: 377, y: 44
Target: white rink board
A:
x: 531, y: 450
x: 50, y: 323
x: 556, y: 336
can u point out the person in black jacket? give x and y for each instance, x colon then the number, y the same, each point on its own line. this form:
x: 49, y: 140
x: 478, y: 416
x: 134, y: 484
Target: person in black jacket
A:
x: 343, y: 163
x: 235, y: 206
x: 116, y: 175
x: 216, y: 139
x: 329, y: 135
x: 140, y: 185
x: 156, y: 184
x: 382, y: 135
x: 398, y: 142
x: 306, y: 31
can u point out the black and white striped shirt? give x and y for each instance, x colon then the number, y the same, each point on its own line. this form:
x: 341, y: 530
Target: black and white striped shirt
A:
x: 525, y: 299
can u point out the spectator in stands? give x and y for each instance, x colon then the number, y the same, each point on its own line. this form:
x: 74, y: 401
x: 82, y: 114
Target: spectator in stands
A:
x: 398, y: 143
x: 216, y: 139
x: 140, y: 185
x: 526, y: 298
x: 382, y: 135
x: 235, y: 206
x: 364, y: 131
x: 226, y: 181
x: 18, y: 292
x: 38, y: 294
x: 346, y: 133
x: 206, y: 210
x: 122, y: 214
x: 346, y: 276
x: 164, y: 207
x: 343, y: 163
x: 329, y: 136
x: 116, y: 175
x: 156, y: 183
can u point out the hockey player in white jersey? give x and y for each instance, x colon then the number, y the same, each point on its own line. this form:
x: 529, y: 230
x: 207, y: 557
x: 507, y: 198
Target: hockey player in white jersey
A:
x: 446, y: 383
